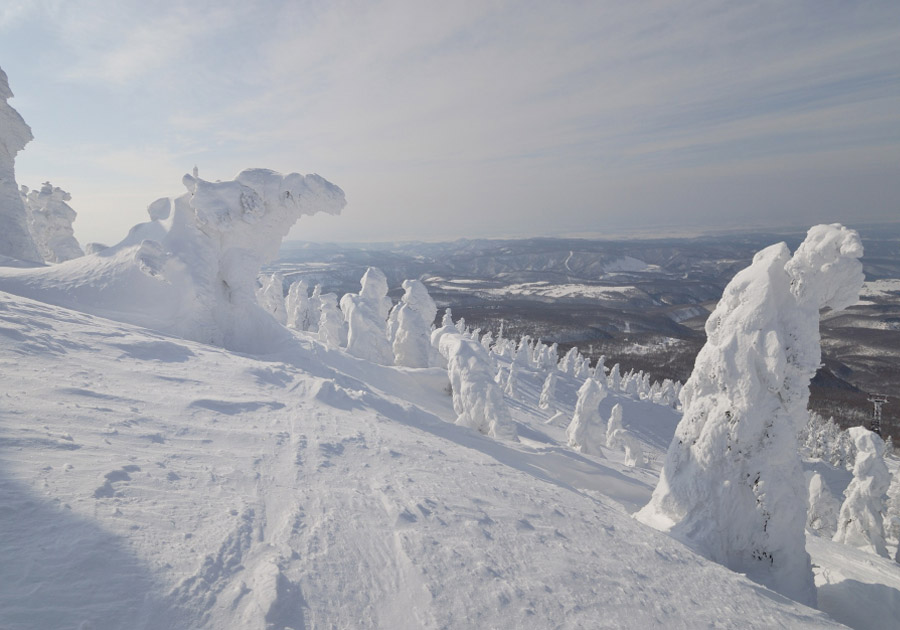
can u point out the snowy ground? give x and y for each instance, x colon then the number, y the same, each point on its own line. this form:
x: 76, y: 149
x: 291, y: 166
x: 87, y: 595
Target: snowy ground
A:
x: 150, y: 482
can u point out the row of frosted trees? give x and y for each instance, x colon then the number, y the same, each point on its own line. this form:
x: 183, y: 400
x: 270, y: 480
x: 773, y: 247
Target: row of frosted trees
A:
x: 484, y: 371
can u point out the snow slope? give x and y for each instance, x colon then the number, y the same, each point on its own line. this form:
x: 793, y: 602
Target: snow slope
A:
x: 152, y: 482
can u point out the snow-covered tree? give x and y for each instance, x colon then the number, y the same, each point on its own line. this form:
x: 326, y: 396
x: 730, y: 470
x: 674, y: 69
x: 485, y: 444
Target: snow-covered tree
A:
x: 523, y: 356
x: 296, y: 306
x: 732, y: 480
x: 50, y: 221
x: 614, y: 380
x: 548, y: 391
x: 568, y: 363
x: 617, y: 436
x: 411, y: 320
x: 15, y: 239
x: 366, y: 316
x: 860, y: 523
x: 511, y: 388
x: 892, y: 512
x: 822, y: 514
x: 586, y: 432
x: 315, y: 308
x: 614, y: 424
x: 477, y: 399
x: 600, y: 369
x: 331, y: 322
x: 270, y: 296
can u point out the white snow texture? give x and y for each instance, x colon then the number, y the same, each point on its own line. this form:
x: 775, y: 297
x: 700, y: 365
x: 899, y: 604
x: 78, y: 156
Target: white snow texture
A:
x: 732, y: 480
x: 15, y: 239
x: 50, y: 221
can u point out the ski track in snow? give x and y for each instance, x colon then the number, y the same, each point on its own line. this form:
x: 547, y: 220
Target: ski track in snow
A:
x: 150, y: 482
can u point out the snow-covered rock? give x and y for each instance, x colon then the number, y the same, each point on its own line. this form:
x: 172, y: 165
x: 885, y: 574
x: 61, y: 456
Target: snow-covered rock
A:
x: 15, y: 238
x: 732, y: 480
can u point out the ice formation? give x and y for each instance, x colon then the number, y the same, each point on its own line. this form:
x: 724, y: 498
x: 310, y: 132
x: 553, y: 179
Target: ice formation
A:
x: 366, y: 316
x: 477, y: 399
x: 410, y: 322
x: 732, y: 480
x: 585, y: 433
x: 860, y: 520
x: 15, y: 239
x: 50, y: 221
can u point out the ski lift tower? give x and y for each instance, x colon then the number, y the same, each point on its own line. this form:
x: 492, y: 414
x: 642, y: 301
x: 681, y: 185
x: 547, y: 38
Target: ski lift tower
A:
x: 877, y: 401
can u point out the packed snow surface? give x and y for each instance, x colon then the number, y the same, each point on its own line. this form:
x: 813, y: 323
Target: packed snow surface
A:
x: 155, y: 482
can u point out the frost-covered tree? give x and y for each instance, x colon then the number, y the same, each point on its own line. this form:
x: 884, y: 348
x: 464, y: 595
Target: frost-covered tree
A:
x: 600, y: 369
x: 523, y: 356
x: 477, y: 399
x: 15, y: 239
x: 366, y: 316
x: 732, y: 479
x: 315, y: 308
x: 548, y: 391
x: 511, y: 388
x: 586, y: 432
x: 410, y: 322
x: 296, y: 306
x: 860, y: 523
x: 614, y: 424
x: 270, y: 296
x: 50, y: 221
x: 617, y: 436
x: 822, y: 514
x: 568, y: 363
x: 331, y: 322
x: 614, y: 380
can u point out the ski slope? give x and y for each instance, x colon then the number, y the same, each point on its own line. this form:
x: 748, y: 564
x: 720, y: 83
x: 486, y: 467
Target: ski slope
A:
x: 150, y: 482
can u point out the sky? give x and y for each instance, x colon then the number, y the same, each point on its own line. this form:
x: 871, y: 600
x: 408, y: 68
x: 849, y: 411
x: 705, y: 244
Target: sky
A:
x: 443, y: 120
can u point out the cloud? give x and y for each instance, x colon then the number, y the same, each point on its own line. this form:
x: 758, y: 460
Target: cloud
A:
x: 456, y: 108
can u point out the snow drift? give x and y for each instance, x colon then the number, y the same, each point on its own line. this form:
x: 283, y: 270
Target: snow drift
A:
x: 732, y: 480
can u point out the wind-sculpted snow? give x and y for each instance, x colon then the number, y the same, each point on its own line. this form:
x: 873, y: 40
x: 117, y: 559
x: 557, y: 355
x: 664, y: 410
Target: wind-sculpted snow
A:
x: 859, y: 523
x: 50, y: 221
x: 409, y: 326
x: 732, y: 480
x: 192, y: 269
x: 477, y: 400
x: 15, y: 239
x: 366, y: 315
x: 153, y: 483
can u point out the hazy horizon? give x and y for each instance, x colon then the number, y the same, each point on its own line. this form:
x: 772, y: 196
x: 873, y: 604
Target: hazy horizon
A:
x: 469, y: 119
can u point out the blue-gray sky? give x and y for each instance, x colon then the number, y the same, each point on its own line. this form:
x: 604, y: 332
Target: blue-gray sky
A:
x: 485, y: 118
